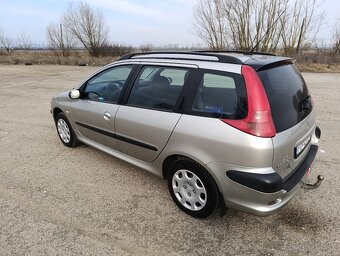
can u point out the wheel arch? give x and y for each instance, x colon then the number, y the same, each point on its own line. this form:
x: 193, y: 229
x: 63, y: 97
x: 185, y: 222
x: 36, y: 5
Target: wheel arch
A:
x: 174, y: 157
x: 56, y: 111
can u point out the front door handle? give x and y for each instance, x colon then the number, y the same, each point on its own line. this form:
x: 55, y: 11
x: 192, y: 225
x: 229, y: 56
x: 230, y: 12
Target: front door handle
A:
x: 107, y: 116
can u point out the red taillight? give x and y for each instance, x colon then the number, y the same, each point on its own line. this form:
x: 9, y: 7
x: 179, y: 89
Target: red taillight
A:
x: 259, y: 121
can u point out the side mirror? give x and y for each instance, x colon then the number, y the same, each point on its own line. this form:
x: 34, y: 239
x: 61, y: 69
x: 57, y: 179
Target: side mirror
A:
x: 74, y: 94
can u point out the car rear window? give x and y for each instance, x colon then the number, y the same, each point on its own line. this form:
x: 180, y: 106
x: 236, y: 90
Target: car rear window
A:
x: 287, y: 94
x: 220, y: 94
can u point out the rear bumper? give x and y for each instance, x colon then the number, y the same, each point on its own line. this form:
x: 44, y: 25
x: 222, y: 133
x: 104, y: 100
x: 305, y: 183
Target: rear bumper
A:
x: 259, y: 192
x: 301, y: 170
x: 272, y: 182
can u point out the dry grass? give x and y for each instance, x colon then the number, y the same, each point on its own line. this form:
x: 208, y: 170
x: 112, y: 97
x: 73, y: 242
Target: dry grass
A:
x: 43, y: 57
x: 320, y: 62
x: 319, y: 68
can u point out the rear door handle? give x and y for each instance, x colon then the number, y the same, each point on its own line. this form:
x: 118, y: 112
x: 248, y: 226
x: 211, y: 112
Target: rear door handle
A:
x: 107, y: 116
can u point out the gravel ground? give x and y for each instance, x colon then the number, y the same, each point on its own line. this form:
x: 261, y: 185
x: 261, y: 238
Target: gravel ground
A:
x: 60, y: 201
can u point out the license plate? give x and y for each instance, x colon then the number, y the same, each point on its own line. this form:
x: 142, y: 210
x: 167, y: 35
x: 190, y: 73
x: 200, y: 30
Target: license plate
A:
x: 300, y: 148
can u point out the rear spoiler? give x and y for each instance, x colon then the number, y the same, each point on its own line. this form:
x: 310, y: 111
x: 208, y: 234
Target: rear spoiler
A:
x: 268, y: 63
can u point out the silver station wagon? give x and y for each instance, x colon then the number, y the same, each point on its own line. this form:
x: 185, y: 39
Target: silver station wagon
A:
x: 225, y: 129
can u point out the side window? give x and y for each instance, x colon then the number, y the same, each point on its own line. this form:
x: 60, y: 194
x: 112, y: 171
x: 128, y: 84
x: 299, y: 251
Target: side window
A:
x: 176, y: 78
x: 220, y: 94
x: 218, y: 81
x: 147, y: 74
x: 107, y: 85
x: 157, y: 87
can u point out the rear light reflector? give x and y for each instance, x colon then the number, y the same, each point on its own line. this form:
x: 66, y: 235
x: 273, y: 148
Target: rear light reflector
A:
x: 259, y: 120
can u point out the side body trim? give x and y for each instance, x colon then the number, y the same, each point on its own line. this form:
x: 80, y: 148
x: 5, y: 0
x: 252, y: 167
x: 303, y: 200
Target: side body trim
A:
x: 118, y: 137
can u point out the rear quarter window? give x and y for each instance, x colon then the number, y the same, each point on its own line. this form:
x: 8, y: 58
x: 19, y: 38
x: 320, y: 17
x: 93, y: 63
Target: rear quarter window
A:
x: 286, y: 91
x: 220, y: 94
x: 218, y: 81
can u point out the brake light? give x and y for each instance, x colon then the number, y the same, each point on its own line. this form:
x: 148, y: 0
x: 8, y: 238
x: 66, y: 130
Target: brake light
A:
x: 259, y: 120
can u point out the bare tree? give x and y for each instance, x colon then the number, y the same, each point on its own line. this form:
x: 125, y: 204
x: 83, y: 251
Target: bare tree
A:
x: 303, y: 21
x: 336, y: 36
x: 59, y: 39
x: 24, y: 42
x: 210, y: 23
x: 253, y: 23
x: 7, y: 43
x: 262, y: 25
x: 239, y: 23
x: 146, y: 47
x: 87, y: 25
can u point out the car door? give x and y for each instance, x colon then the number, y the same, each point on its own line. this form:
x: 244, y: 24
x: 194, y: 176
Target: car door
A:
x: 145, y: 122
x: 93, y: 114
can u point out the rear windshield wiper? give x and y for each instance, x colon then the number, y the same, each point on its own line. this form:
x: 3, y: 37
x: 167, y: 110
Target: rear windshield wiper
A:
x: 306, y: 104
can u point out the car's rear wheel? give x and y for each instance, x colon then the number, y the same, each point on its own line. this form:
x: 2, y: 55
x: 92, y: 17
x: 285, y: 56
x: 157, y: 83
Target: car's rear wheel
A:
x: 65, y: 131
x: 192, y: 188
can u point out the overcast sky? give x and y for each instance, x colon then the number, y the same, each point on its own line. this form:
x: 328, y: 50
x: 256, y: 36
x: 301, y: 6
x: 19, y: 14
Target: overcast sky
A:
x: 133, y: 22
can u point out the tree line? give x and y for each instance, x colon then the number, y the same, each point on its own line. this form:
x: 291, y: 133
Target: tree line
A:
x: 260, y: 25
x: 80, y: 26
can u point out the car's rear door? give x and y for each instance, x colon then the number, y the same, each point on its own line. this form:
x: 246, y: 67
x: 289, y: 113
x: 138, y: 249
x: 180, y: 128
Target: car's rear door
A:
x: 145, y: 122
x: 93, y: 114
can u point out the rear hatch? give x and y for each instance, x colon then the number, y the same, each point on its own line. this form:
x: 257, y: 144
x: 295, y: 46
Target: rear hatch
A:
x: 293, y: 115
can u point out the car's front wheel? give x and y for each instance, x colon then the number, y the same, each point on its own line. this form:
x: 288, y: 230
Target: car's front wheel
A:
x: 65, y: 131
x: 192, y: 188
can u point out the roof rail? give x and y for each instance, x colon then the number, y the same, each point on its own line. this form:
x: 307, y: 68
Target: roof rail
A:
x: 181, y: 55
x: 236, y: 51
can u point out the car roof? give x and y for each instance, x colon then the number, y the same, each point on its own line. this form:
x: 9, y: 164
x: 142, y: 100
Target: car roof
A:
x: 258, y: 60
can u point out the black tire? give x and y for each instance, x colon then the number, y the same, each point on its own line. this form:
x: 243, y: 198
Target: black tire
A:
x: 72, y: 141
x: 209, y: 186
